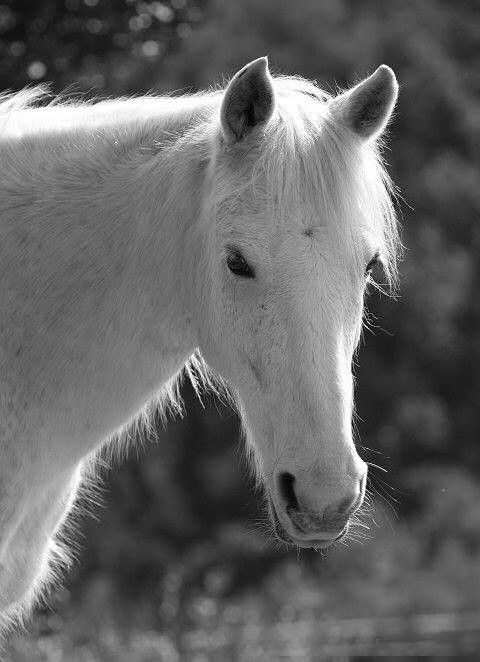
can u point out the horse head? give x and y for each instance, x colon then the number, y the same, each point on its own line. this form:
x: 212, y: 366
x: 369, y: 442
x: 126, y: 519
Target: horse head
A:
x: 298, y: 211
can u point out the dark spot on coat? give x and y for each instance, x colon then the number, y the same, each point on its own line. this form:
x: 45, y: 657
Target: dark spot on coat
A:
x: 308, y: 232
x: 255, y: 370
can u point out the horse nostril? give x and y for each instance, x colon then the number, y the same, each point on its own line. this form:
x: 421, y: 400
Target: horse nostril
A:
x: 287, y: 491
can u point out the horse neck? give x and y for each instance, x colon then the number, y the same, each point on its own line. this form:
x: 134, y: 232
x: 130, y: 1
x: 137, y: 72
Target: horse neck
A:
x: 107, y: 219
x: 165, y: 198
x: 158, y: 192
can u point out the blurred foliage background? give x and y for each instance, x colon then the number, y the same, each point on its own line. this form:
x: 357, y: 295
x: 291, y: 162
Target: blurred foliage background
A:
x: 177, y: 563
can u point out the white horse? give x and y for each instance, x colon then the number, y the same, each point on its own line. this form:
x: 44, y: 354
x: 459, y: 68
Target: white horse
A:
x: 235, y: 229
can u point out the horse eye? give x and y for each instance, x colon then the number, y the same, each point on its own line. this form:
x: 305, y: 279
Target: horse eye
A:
x: 238, y: 265
x: 372, y: 263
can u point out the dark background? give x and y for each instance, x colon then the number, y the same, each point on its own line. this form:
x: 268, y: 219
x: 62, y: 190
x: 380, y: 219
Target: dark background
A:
x: 178, y: 562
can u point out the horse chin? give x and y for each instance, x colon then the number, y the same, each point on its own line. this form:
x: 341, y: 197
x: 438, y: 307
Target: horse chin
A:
x: 283, y: 536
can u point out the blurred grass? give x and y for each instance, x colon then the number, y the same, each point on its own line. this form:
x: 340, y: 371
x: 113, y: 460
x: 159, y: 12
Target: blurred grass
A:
x: 366, y: 597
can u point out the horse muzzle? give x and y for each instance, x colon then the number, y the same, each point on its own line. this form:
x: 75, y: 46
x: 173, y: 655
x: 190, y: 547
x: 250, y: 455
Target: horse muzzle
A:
x: 303, y: 520
x: 295, y: 536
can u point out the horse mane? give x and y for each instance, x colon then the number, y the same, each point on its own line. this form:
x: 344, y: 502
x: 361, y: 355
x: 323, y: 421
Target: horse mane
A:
x: 26, y: 98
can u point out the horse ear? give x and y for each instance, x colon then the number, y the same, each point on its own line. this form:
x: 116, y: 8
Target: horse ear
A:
x: 366, y: 108
x: 248, y: 101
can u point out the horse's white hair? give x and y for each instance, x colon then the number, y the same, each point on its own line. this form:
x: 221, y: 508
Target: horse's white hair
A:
x: 303, y: 156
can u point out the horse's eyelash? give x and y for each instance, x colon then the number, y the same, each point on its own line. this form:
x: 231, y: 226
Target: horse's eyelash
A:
x: 376, y: 259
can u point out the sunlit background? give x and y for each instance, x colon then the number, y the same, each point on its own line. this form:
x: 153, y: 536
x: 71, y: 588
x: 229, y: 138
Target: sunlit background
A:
x: 178, y: 564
